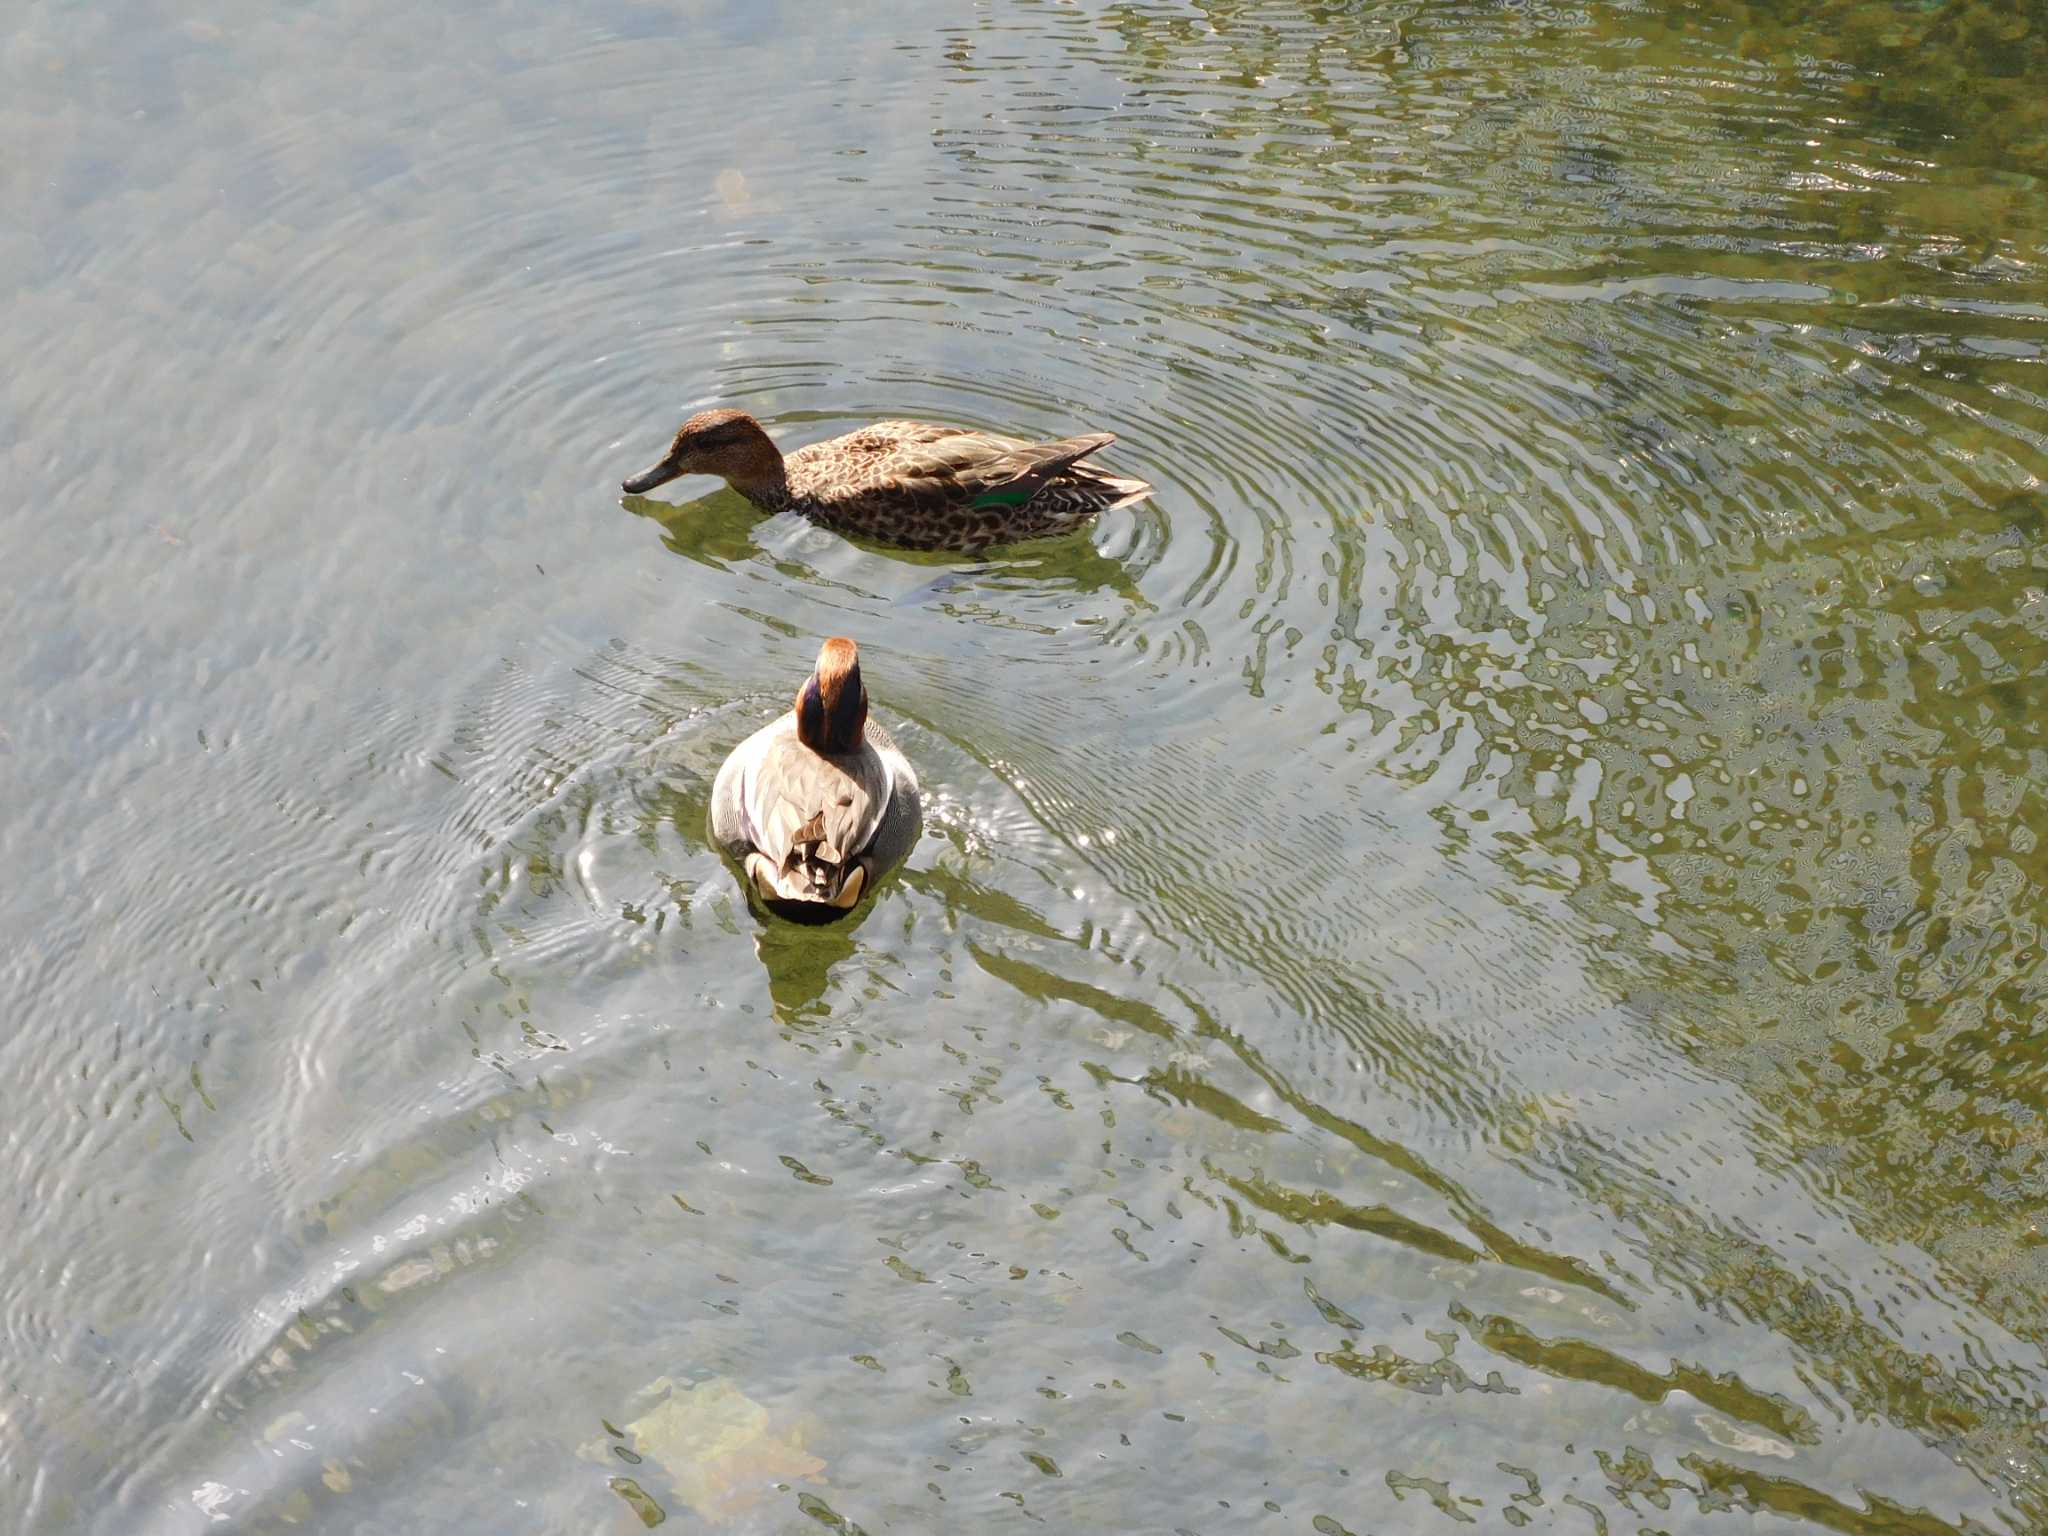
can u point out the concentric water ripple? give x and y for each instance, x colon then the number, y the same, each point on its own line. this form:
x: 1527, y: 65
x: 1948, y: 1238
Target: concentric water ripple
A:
x: 1478, y: 958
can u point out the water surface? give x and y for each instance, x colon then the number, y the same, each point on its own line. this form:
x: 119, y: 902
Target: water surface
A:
x: 1478, y: 961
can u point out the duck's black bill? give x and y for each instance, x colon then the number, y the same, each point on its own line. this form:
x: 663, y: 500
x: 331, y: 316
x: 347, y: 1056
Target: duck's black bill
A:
x: 648, y: 479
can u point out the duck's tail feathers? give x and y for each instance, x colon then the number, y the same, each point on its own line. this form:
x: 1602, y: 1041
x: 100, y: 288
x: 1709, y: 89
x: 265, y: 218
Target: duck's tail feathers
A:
x: 1128, y: 491
x: 810, y: 882
x: 1105, y: 491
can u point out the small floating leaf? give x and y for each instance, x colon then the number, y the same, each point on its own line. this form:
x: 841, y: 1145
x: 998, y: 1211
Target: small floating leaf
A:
x: 651, y: 1514
x: 802, y: 1173
x: 1332, y: 1313
x: 825, y: 1514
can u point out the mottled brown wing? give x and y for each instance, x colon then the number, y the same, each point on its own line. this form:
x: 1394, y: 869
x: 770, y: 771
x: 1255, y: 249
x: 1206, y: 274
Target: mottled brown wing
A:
x: 894, y: 434
x: 988, y: 471
x: 919, y: 463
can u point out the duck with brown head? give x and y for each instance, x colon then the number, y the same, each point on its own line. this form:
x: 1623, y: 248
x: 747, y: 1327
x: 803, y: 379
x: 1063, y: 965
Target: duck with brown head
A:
x: 832, y: 705
x: 909, y: 483
x: 729, y: 444
x: 819, y: 804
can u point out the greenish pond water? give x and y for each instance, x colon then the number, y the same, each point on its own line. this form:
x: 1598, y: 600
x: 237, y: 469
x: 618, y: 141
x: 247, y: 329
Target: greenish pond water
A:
x: 1479, y: 962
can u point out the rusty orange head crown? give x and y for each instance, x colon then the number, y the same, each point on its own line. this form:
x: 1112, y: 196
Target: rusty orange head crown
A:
x: 832, y: 705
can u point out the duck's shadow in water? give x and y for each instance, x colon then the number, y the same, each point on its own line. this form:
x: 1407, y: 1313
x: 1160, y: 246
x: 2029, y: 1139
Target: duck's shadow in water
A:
x: 717, y: 530
x: 799, y: 957
x: 796, y: 946
x: 799, y: 952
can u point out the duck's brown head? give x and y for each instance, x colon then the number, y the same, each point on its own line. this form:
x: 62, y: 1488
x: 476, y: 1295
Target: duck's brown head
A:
x: 832, y: 705
x: 729, y: 444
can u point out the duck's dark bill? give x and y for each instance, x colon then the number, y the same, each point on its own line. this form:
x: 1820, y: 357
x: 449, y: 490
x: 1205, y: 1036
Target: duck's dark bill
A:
x: 648, y: 479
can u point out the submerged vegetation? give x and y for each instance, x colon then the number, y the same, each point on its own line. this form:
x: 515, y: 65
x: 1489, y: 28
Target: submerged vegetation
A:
x: 1965, y: 73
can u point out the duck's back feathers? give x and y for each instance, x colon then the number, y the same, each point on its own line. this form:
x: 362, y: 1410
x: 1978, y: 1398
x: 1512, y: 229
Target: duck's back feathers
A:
x: 814, y: 829
x: 985, y: 470
x: 924, y: 485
